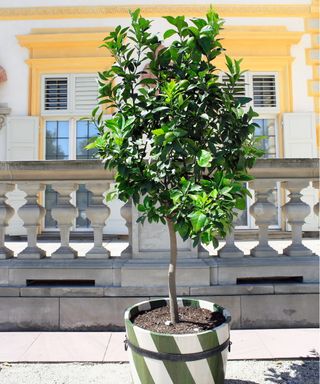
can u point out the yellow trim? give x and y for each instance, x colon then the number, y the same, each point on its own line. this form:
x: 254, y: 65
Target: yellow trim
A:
x: 311, y: 91
x: 309, y: 60
x: 315, y: 39
x: 189, y: 10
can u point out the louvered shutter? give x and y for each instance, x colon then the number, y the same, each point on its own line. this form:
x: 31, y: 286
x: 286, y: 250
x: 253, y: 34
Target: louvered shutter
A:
x: 240, y: 85
x: 55, y: 94
x: 264, y: 91
x: 85, y: 93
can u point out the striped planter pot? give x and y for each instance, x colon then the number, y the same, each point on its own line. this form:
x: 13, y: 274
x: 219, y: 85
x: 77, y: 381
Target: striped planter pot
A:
x: 157, y: 358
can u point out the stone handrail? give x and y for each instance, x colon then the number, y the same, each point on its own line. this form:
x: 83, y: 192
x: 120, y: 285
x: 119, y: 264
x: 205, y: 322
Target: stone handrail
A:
x: 56, y: 170
x: 65, y: 176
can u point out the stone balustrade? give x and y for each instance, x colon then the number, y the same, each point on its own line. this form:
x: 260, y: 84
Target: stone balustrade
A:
x: 65, y: 290
x: 147, y: 241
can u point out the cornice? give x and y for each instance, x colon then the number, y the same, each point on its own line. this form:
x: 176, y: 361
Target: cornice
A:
x: 189, y: 10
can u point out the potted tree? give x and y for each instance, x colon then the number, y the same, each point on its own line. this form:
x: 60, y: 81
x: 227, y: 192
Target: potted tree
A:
x: 181, y: 141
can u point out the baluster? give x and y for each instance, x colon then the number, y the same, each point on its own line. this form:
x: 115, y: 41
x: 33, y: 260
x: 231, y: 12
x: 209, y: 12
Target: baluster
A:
x: 126, y: 213
x: 296, y: 211
x: 31, y: 213
x: 6, y: 212
x: 263, y: 211
x: 64, y: 213
x: 230, y: 250
x: 97, y: 213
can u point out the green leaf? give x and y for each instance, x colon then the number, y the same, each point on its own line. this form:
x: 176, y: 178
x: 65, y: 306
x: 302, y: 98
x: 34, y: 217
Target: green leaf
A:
x: 183, y: 230
x: 204, y: 158
x: 171, y: 20
x: 158, y: 132
x: 241, y: 204
x: 198, y: 220
x: 169, y: 33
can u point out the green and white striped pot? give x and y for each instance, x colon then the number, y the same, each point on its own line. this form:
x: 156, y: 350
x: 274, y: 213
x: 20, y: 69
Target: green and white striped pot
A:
x: 158, y: 358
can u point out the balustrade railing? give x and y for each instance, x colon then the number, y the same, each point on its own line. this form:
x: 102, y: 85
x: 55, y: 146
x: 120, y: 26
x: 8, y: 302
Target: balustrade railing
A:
x: 31, y: 177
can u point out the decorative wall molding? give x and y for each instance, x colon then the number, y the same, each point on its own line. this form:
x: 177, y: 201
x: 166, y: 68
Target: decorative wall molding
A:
x: 4, y: 111
x: 192, y: 10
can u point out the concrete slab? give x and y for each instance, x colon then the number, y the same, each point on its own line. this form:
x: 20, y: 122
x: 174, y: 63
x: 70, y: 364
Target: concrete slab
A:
x: 14, y: 344
x: 74, y: 346
x: 116, y: 351
x: 109, y: 347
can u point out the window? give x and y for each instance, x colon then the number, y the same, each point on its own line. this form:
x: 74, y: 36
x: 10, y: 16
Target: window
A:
x: 65, y: 100
x: 262, y: 88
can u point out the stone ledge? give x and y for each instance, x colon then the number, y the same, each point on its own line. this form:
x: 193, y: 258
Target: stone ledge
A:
x: 143, y: 291
x: 62, y: 291
x: 296, y: 288
x: 9, y: 291
x: 116, y: 291
x: 233, y: 290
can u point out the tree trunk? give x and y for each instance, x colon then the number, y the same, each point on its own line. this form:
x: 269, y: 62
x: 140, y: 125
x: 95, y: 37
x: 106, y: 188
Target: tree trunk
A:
x: 173, y: 305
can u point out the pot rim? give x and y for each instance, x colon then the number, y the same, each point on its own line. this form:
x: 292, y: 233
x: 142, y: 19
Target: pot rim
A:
x: 226, y: 314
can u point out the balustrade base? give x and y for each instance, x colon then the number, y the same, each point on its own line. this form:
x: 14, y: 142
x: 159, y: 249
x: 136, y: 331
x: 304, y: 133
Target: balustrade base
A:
x: 32, y: 253
x: 263, y: 251
x: 5, y: 253
x: 64, y: 253
x: 230, y: 251
x: 297, y: 250
x: 98, y: 253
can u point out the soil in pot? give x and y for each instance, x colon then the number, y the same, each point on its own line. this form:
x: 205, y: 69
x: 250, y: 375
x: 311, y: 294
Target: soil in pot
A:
x: 192, y: 320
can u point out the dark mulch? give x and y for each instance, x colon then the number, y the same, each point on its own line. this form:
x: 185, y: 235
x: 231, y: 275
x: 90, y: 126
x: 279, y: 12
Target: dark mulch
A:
x: 192, y: 320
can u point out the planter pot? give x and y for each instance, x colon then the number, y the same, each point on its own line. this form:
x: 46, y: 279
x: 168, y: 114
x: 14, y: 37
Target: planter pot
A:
x: 158, y: 358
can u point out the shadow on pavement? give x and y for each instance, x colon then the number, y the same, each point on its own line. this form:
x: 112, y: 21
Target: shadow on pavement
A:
x: 236, y: 381
x: 305, y: 373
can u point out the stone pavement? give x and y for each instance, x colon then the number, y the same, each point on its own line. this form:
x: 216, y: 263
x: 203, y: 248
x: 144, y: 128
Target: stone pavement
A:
x: 109, y: 347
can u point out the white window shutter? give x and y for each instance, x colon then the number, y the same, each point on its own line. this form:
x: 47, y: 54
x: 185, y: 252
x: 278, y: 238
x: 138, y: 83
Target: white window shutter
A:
x: 299, y: 134
x: 85, y: 93
x: 264, y: 91
x: 22, y: 138
x: 21, y: 144
x: 55, y: 94
x: 240, y: 85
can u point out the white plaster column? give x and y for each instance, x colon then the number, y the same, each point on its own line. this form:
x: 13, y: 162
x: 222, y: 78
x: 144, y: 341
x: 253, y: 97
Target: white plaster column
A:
x: 31, y: 213
x: 296, y: 211
x: 263, y: 211
x: 64, y: 213
x: 126, y: 213
x: 6, y: 212
x: 97, y: 213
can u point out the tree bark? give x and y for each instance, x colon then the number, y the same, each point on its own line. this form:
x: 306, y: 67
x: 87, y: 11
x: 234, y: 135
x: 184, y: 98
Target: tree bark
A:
x: 173, y: 304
